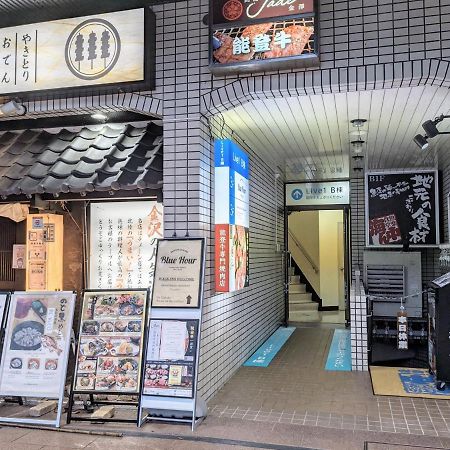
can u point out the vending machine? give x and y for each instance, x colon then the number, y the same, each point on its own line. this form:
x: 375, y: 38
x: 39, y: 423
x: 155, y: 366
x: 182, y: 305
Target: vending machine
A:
x: 439, y: 330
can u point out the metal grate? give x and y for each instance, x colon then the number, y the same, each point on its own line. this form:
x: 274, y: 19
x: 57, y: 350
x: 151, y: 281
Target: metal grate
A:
x: 386, y: 281
x: 7, y: 240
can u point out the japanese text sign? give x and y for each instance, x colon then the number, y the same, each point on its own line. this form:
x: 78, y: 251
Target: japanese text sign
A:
x: 402, y: 207
x: 232, y: 208
x: 402, y: 330
x: 318, y: 193
x: 77, y: 52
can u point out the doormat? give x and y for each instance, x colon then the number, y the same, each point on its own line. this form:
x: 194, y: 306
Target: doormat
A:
x: 403, y: 382
x: 340, y: 353
x: 264, y: 355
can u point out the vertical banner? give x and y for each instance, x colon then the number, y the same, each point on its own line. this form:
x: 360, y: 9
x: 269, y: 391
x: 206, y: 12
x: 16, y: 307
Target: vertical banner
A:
x: 402, y: 330
x: 122, y: 242
x: 231, y: 216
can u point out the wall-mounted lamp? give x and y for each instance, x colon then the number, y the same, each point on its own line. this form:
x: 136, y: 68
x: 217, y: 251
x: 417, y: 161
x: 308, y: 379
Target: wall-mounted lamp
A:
x: 421, y: 141
x: 12, y: 108
x: 431, y: 131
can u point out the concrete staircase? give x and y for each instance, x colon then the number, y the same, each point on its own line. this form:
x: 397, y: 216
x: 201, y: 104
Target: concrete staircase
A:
x: 301, y: 306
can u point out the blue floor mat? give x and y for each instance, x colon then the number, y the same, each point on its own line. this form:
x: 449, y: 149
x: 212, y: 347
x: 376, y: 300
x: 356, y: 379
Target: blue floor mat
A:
x: 264, y: 355
x: 420, y: 381
x: 340, y: 353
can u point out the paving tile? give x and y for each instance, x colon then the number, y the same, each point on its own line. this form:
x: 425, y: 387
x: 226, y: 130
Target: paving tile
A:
x: 68, y: 440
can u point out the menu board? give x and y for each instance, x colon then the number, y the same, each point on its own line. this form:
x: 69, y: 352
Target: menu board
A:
x: 110, y: 345
x: 170, y: 360
x: 36, y: 347
x: 178, y: 272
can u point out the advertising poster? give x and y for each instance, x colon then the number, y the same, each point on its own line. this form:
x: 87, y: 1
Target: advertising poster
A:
x: 111, y: 336
x: 232, y: 220
x: 171, y: 355
x: 19, y: 256
x: 36, y: 344
x: 402, y: 207
x: 122, y: 243
x: 178, y: 273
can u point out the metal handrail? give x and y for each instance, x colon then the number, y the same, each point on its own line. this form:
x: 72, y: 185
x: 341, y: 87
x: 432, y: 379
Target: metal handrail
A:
x: 305, y: 253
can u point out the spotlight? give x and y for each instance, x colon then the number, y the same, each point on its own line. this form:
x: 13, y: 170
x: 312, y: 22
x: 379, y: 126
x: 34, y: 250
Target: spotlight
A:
x: 12, y: 108
x: 421, y: 141
x: 99, y: 116
x: 430, y: 128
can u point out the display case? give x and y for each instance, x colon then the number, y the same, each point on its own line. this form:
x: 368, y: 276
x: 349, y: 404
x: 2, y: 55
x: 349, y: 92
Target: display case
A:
x: 439, y: 330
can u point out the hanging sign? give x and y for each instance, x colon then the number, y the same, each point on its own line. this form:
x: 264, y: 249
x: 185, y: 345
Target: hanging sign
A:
x: 178, y: 270
x: 77, y: 52
x: 37, y: 340
x: 232, y: 211
x: 402, y: 207
x: 123, y: 240
x: 402, y: 330
x: 318, y: 194
x: 170, y: 358
x: 111, y: 338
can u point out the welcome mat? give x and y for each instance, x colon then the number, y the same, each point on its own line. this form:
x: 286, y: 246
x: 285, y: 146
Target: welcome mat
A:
x: 340, y: 353
x: 264, y: 355
x: 404, y: 382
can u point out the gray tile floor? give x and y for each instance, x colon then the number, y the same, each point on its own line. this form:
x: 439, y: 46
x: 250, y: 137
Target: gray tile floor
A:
x: 296, y: 390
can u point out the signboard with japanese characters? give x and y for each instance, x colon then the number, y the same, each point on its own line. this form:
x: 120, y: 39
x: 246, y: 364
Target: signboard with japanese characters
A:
x: 249, y: 36
x: 95, y: 50
x: 232, y: 216
x: 402, y: 330
x: 402, y: 208
x: 318, y: 193
x: 123, y: 239
x: 37, y: 340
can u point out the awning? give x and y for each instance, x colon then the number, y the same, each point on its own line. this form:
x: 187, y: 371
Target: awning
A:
x: 112, y: 157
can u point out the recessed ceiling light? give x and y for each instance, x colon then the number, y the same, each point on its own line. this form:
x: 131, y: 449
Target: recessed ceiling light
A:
x: 99, y: 116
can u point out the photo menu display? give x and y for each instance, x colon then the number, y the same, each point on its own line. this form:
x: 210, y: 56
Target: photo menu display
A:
x: 111, y: 336
x: 171, y: 357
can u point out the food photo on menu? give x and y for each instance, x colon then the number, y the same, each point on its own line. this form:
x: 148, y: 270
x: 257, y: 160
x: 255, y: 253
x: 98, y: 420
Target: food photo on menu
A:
x: 110, y: 345
x: 170, y: 362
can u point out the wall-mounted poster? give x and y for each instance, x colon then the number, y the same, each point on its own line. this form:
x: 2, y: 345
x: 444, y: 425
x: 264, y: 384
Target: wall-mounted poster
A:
x: 37, y: 340
x: 178, y: 273
x: 171, y: 357
x: 110, y: 345
x: 19, y: 256
x: 122, y: 243
x: 402, y: 207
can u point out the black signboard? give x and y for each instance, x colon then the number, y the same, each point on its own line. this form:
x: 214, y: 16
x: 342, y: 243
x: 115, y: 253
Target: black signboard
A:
x: 226, y: 11
x: 402, y: 207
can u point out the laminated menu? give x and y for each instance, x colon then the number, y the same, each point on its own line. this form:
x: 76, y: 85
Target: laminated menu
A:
x: 110, y: 344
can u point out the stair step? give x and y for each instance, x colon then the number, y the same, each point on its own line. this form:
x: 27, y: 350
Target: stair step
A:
x: 291, y: 271
x: 294, y: 279
x: 299, y: 296
x: 304, y: 316
x: 306, y: 306
x: 297, y: 288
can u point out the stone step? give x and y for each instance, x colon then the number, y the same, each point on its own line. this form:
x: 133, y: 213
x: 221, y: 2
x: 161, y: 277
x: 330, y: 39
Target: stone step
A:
x: 297, y: 288
x: 291, y: 271
x: 299, y: 297
x: 304, y: 316
x: 306, y: 306
x: 294, y: 279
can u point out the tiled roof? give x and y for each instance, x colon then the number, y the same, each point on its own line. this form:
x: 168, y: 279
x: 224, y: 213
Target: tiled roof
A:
x: 110, y: 157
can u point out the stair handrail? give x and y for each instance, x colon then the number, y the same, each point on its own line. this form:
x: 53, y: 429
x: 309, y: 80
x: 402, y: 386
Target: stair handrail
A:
x: 303, y: 250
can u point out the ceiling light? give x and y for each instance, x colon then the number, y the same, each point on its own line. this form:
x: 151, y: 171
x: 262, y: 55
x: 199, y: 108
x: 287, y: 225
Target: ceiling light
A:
x: 421, y: 141
x: 358, y: 145
x: 99, y: 116
x: 12, y: 108
x: 358, y: 122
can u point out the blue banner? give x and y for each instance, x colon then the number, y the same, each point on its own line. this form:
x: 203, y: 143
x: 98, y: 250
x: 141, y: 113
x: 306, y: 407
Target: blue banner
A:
x: 228, y: 154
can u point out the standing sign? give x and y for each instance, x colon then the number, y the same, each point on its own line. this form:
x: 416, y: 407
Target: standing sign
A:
x: 402, y: 206
x: 77, y: 52
x: 232, y: 207
x: 318, y: 194
x: 122, y: 242
x: 169, y: 380
x: 111, y: 340
x: 36, y: 348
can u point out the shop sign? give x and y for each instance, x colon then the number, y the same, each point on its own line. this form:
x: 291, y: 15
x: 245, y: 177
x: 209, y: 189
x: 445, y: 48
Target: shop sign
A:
x: 402, y: 206
x: 111, y: 342
x: 37, y: 341
x: 232, y: 207
x: 101, y: 49
x: 123, y: 237
x: 318, y: 194
x: 402, y: 330
x: 316, y: 168
x: 225, y: 11
x: 178, y: 272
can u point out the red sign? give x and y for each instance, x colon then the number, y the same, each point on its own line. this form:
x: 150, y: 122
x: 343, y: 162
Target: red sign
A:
x: 222, y: 257
x: 225, y: 11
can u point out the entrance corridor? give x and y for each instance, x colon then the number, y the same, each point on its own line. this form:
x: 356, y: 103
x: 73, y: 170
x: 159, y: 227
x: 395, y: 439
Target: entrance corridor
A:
x: 295, y: 389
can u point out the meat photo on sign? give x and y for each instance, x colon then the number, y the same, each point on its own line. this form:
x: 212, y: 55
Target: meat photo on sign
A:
x: 264, y: 41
